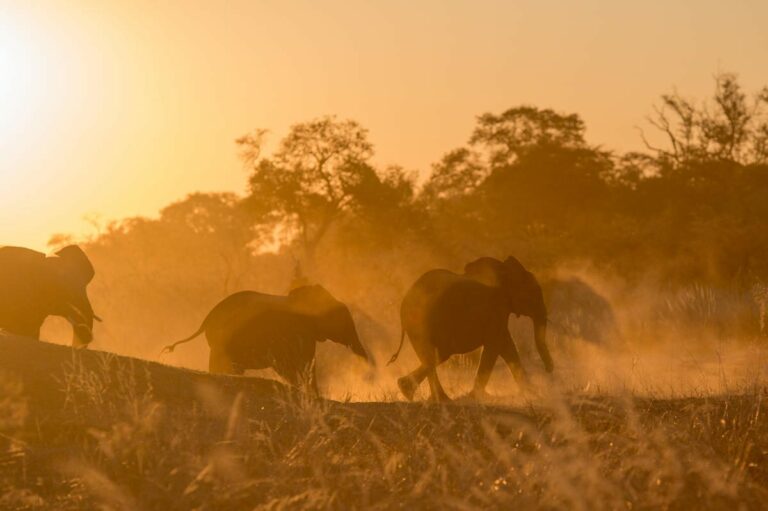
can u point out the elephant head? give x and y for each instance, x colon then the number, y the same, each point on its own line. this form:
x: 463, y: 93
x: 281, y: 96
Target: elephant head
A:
x: 334, y: 321
x: 521, y: 291
x: 70, y: 272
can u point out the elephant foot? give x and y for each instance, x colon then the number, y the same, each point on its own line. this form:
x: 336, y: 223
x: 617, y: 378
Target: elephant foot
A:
x: 407, y: 387
x: 440, y: 398
x: 521, y: 377
x: 480, y: 395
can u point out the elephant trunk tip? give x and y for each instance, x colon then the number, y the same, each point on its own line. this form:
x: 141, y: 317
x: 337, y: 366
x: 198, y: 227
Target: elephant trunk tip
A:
x: 359, y: 350
x: 363, y: 353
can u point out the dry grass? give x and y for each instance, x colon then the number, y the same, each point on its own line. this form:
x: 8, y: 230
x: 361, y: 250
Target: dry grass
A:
x: 107, y: 432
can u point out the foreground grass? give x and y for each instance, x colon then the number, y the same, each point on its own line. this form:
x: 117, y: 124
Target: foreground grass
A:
x: 90, y: 431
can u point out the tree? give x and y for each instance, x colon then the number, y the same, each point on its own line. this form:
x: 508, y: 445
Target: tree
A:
x: 730, y: 127
x: 311, y: 179
x: 525, y: 171
x: 507, y: 137
x: 500, y: 142
x: 457, y: 174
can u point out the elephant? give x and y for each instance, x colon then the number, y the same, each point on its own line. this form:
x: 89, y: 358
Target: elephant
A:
x: 577, y: 310
x: 251, y: 330
x: 445, y: 313
x: 33, y: 287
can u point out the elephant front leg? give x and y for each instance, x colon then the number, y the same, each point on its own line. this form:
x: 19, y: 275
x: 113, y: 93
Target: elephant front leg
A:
x: 409, y: 383
x: 487, y: 361
x: 541, y: 347
x: 313, y: 382
x: 512, y: 358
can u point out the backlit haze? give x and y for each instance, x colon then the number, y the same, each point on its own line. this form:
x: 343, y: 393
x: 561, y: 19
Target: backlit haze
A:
x: 114, y: 109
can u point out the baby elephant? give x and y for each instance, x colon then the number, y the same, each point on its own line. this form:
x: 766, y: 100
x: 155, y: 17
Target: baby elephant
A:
x: 250, y: 330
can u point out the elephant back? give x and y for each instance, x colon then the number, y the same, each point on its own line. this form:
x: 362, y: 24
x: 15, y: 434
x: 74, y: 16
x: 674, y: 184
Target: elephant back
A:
x: 18, y: 266
x: 312, y: 300
x: 21, y: 278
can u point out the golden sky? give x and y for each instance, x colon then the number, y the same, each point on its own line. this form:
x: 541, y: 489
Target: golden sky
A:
x: 116, y: 108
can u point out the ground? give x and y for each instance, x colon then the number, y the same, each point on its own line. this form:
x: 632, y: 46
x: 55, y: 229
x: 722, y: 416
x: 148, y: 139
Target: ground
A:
x: 83, y: 429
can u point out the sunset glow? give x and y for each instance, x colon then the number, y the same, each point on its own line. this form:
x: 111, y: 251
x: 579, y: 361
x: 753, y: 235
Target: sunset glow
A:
x: 383, y: 254
x: 118, y: 108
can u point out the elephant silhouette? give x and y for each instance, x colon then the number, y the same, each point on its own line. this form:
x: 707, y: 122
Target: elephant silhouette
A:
x: 446, y: 313
x: 251, y: 330
x: 33, y: 287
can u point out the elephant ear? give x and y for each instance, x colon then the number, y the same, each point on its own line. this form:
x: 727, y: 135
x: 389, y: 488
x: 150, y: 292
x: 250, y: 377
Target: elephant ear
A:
x: 527, y: 295
x: 515, y: 271
x: 77, y: 264
x: 520, y: 277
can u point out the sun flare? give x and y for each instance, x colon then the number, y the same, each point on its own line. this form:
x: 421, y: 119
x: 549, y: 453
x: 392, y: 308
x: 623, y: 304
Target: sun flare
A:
x: 383, y: 255
x: 22, y: 79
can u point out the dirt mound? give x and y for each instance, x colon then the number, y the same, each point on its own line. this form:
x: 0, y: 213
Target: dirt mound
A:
x: 49, y: 374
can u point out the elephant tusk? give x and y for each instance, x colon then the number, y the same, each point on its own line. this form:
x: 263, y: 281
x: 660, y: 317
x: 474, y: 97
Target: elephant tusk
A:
x: 97, y: 318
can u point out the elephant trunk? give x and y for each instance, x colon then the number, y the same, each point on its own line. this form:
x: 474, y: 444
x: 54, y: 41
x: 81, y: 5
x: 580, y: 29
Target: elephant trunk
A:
x: 358, y: 349
x: 539, y: 335
x: 82, y: 326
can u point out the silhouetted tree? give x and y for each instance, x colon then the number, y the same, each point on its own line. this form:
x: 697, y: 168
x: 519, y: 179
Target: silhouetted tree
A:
x: 729, y: 127
x: 507, y: 137
x: 311, y: 178
x: 527, y: 183
x: 526, y: 173
x: 457, y: 174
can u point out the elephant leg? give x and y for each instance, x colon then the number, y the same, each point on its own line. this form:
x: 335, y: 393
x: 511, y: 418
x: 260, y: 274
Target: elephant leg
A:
x: 299, y: 380
x: 487, y: 361
x: 313, y: 382
x: 27, y: 329
x: 436, y: 390
x: 410, y: 382
x: 301, y: 376
x: 309, y: 378
x: 219, y: 362
x: 541, y: 347
x: 512, y: 358
x: 305, y: 378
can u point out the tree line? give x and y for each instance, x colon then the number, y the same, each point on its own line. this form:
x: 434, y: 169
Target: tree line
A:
x: 691, y: 208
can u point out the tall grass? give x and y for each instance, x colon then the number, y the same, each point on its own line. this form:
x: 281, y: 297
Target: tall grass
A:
x: 119, y: 447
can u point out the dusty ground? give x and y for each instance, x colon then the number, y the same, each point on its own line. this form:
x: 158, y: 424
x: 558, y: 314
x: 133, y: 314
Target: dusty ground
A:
x: 91, y: 430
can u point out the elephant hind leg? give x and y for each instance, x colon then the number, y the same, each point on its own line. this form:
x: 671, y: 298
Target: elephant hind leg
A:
x: 436, y: 390
x: 409, y: 383
x: 487, y: 361
x: 302, y: 377
x: 306, y: 380
x: 219, y: 362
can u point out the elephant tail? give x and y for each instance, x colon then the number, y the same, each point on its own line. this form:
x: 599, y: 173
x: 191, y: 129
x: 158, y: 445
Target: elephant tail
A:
x: 397, y: 353
x: 171, y: 347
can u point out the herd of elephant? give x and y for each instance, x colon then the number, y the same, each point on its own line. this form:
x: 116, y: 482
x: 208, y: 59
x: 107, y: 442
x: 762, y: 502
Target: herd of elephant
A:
x: 443, y: 314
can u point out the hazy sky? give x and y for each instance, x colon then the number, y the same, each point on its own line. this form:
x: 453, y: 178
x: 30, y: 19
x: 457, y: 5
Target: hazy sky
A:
x: 118, y: 108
